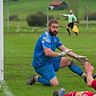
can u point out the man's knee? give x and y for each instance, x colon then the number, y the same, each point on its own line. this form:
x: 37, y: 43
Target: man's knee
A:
x: 54, y: 82
x: 65, y: 61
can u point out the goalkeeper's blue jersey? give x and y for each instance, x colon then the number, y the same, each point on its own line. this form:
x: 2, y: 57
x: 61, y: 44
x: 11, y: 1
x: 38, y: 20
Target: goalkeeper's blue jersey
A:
x: 45, y: 41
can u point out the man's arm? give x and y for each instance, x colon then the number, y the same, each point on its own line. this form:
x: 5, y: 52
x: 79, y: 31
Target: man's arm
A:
x: 91, y: 82
x: 81, y: 59
x: 49, y: 52
x: 65, y: 15
x: 70, y: 53
x: 89, y: 70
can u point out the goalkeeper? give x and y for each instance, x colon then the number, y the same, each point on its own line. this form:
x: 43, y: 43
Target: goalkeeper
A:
x: 46, y: 61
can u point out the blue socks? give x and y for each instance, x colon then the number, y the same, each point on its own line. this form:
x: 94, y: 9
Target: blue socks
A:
x: 44, y: 81
x: 75, y: 69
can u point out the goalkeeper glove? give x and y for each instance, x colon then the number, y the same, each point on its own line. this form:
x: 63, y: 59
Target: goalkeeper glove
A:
x: 64, y: 53
x: 81, y: 59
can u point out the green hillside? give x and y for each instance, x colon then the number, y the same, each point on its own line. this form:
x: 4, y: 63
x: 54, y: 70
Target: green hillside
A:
x: 25, y: 7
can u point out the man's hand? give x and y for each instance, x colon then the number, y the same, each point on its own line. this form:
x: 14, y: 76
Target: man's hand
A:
x: 64, y: 53
x: 81, y: 59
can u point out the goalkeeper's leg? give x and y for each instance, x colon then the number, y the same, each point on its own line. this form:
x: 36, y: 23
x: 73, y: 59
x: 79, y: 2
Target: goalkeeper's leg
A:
x: 72, y: 66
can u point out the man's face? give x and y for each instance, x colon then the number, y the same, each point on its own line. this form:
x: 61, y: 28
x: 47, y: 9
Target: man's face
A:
x: 53, y: 29
x: 70, y: 13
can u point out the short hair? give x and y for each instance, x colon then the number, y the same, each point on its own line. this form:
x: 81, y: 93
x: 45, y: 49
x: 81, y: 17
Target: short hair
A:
x: 52, y: 21
x: 70, y: 11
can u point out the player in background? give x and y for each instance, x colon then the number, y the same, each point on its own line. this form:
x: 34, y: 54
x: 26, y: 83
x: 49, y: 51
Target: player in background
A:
x: 71, y: 21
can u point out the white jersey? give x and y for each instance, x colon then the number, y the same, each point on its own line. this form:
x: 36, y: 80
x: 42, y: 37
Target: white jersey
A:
x: 71, y: 17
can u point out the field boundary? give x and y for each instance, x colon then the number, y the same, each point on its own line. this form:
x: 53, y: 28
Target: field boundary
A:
x: 6, y: 90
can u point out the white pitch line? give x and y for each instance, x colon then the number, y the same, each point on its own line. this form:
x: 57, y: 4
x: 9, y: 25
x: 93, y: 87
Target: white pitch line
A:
x: 5, y: 89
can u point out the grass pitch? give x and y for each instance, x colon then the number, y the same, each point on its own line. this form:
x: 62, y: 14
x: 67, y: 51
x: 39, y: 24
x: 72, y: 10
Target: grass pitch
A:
x: 18, y: 57
x: 19, y: 46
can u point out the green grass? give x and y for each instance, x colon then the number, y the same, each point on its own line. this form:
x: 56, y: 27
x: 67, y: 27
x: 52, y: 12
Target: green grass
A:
x: 1, y: 93
x: 19, y: 46
x: 25, y: 8
x: 18, y: 57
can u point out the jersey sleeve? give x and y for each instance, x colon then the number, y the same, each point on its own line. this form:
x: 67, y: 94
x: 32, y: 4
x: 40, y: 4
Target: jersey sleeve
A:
x: 65, y: 15
x: 75, y: 19
x: 46, y: 42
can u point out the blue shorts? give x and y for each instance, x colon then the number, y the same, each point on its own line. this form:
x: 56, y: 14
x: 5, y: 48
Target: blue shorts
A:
x: 48, y: 71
